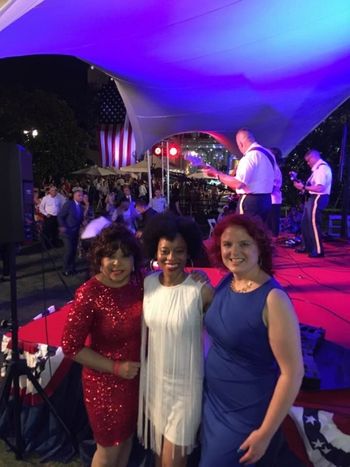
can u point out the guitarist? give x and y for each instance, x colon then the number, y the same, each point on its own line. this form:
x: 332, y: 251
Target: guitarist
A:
x: 254, y: 179
x: 318, y: 187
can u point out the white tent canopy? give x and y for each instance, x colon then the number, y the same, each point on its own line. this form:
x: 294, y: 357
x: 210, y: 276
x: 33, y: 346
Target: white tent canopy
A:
x: 276, y: 67
x: 142, y: 166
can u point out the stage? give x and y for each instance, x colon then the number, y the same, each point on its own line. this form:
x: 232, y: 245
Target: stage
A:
x: 320, y: 291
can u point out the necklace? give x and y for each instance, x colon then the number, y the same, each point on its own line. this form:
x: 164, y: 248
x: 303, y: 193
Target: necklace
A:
x: 244, y: 289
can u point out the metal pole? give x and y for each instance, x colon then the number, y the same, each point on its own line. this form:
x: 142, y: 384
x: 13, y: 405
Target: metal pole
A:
x: 162, y: 159
x: 344, y: 173
x: 167, y: 174
x: 15, y: 355
x: 148, y: 155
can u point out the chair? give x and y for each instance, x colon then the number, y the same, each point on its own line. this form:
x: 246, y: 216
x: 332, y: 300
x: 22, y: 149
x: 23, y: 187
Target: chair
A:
x: 212, y: 223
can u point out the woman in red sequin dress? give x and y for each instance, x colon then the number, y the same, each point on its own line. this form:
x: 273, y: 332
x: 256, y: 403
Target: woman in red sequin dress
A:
x: 107, y: 309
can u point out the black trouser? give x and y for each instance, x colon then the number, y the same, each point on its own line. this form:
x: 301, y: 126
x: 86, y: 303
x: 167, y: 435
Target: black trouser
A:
x: 255, y: 205
x: 311, y: 223
x: 273, y: 219
x: 70, y: 250
x: 50, y: 231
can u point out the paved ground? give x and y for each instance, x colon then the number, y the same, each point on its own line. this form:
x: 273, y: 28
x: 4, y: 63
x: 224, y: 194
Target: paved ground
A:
x: 39, y: 283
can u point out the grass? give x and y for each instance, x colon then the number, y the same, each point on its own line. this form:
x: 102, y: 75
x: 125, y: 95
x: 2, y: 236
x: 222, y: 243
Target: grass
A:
x: 8, y: 459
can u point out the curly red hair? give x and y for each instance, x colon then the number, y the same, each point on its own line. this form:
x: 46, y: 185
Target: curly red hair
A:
x: 255, y: 228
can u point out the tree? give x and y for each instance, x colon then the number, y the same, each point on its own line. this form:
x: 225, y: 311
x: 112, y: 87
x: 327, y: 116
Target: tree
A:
x: 326, y: 138
x: 60, y: 145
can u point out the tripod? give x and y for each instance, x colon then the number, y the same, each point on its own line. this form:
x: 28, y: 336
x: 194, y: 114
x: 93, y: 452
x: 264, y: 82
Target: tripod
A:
x: 17, y: 368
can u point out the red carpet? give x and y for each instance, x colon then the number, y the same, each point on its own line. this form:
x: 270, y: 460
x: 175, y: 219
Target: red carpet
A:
x: 319, y: 288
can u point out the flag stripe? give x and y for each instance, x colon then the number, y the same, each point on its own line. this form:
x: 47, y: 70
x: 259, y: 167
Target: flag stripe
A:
x: 117, y: 145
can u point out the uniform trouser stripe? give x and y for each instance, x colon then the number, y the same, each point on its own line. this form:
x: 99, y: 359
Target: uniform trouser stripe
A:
x: 241, y: 201
x: 314, y: 224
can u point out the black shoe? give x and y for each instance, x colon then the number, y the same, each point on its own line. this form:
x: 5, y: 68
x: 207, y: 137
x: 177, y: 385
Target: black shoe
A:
x: 316, y: 255
x: 300, y: 250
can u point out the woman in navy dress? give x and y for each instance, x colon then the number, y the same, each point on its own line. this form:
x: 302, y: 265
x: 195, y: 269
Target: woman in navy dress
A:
x: 254, y: 368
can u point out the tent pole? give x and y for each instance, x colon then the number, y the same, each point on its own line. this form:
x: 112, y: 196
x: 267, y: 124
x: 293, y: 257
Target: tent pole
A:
x: 167, y: 173
x: 162, y: 159
x: 149, y: 175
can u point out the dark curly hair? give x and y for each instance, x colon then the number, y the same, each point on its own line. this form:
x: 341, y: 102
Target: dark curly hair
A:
x: 168, y: 225
x: 255, y: 228
x: 110, y: 240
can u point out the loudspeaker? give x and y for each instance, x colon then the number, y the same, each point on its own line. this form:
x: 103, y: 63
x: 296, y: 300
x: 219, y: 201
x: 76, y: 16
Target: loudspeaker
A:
x: 16, y: 193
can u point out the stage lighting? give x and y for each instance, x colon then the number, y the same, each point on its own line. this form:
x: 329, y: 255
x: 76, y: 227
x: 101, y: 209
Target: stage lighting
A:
x: 157, y: 150
x: 173, y: 151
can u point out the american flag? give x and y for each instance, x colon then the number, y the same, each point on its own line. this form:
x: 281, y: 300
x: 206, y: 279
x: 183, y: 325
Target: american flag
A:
x: 116, y: 138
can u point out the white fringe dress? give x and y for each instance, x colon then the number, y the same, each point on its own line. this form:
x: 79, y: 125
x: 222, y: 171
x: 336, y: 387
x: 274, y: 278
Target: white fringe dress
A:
x: 171, y: 364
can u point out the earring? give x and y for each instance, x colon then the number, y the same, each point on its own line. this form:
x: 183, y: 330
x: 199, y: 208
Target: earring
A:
x: 190, y: 262
x: 152, y: 264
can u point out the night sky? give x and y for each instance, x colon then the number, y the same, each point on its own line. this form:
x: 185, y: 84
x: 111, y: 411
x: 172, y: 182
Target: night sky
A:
x: 62, y: 75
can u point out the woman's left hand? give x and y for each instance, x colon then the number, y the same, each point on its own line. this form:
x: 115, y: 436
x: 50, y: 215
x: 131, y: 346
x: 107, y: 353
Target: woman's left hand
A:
x: 199, y: 276
x: 254, y: 447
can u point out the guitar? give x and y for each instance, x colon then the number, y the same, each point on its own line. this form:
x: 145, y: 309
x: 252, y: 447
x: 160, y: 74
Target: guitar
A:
x: 197, y: 161
x: 293, y: 176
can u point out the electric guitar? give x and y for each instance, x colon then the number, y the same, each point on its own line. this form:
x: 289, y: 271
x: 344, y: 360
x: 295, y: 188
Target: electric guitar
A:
x: 293, y: 176
x: 197, y: 161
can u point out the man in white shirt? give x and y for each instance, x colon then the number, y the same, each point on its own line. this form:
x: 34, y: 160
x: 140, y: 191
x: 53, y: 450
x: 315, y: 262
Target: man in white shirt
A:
x: 158, y: 202
x: 254, y: 176
x: 318, y: 187
x: 50, y: 207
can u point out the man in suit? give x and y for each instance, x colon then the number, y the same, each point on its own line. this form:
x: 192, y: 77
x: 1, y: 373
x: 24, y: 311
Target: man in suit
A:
x: 146, y: 213
x: 70, y: 219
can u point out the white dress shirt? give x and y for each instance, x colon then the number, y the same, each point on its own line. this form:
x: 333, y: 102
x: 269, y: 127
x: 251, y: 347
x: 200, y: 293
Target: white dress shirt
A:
x: 255, y: 171
x: 50, y: 205
x: 321, y: 175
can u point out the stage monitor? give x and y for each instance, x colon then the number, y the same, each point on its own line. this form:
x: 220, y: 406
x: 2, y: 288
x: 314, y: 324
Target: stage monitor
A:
x: 16, y: 193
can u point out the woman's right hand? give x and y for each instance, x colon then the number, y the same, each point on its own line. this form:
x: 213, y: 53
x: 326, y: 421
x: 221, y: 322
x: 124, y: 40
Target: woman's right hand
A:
x: 126, y: 369
x: 254, y: 447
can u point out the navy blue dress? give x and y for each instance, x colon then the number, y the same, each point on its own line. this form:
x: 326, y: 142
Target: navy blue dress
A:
x: 240, y: 373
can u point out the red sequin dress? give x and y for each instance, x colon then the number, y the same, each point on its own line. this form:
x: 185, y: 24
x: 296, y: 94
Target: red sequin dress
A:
x: 111, y: 317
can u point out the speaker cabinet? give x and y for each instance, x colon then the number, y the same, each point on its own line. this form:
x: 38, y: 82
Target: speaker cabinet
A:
x: 16, y: 193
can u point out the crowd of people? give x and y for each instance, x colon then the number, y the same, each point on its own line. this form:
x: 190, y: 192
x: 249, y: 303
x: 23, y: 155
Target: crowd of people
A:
x: 74, y: 212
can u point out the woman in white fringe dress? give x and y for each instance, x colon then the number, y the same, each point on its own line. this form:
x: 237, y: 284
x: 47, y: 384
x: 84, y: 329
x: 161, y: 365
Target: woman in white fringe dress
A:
x: 171, y: 350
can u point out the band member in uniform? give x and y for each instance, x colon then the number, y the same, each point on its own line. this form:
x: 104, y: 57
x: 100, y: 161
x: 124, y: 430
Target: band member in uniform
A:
x: 318, y: 187
x: 254, y: 177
